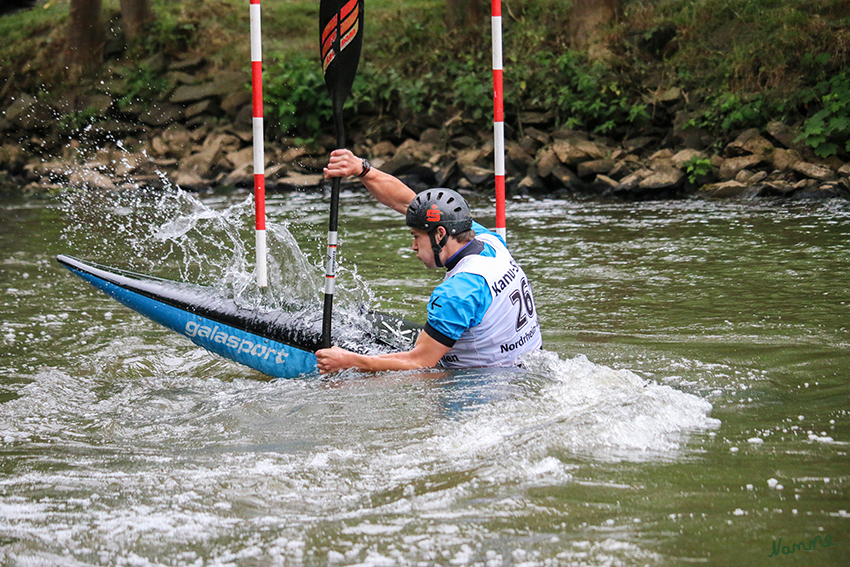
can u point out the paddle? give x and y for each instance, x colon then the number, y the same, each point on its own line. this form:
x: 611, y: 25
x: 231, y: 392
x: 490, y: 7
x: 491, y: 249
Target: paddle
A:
x: 340, y: 40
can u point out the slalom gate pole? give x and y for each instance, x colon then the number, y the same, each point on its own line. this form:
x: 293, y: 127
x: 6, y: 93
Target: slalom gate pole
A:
x: 498, y: 119
x: 259, y: 152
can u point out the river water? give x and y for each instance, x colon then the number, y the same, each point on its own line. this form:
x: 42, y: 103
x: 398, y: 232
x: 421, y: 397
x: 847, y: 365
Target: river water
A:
x: 690, y: 404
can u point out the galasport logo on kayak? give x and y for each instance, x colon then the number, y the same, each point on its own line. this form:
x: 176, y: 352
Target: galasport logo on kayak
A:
x: 242, y: 346
x: 346, y: 23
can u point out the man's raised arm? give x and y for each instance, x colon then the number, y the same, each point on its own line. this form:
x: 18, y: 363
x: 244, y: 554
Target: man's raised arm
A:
x: 387, y: 189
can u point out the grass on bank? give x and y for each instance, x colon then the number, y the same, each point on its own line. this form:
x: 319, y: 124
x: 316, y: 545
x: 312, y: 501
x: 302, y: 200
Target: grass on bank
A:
x: 739, y: 64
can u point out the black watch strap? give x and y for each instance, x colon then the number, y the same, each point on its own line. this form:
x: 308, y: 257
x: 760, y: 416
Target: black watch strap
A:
x: 366, y: 168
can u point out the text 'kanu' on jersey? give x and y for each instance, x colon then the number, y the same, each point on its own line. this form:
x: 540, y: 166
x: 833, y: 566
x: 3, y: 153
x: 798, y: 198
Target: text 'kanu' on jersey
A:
x: 502, y: 283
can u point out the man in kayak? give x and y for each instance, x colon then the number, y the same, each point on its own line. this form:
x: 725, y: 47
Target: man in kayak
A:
x: 483, y: 313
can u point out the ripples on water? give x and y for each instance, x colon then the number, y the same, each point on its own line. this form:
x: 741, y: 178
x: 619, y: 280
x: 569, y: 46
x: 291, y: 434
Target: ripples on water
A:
x: 153, y: 456
x: 123, y: 444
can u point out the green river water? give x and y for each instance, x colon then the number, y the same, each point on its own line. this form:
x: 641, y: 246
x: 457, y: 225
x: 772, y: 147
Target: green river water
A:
x: 691, y: 404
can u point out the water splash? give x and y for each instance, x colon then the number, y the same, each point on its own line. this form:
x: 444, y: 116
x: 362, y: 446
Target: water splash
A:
x: 174, y: 234
x: 613, y: 414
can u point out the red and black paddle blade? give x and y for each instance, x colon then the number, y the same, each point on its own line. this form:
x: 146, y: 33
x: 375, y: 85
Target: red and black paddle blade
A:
x: 341, y: 38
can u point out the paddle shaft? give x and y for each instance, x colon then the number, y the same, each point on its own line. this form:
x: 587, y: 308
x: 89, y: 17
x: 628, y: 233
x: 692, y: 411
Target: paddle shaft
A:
x: 330, y: 266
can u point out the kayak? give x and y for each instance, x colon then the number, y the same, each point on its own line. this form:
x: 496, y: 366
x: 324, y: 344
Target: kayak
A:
x: 278, y: 343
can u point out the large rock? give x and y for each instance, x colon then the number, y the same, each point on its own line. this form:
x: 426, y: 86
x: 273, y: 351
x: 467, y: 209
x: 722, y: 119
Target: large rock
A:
x: 477, y: 175
x: 20, y: 105
x: 196, y: 109
x: 222, y: 141
x: 98, y: 103
x: 399, y: 163
x: 469, y: 156
x: 236, y: 101
x: 783, y: 134
x: 663, y: 177
x: 749, y: 142
x: 546, y: 162
x: 572, y: 151
x: 564, y: 177
x: 220, y: 86
x: 633, y: 180
x: 12, y: 158
x: 189, y: 180
x: 242, y: 176
x: 785, y: 159
x: 589, y: 169
x: 382, y: 149
x: 28, y: 113
x: 730, y: 167
x: 242, y: 158
x: 83, y: 177
x: 724, y: 190
x: 161, y: 114
x: 202, y: 163
x: 637, y: 144
x: 516, y: 157
x: 175, y: 141
x: 431, y: 136
x: 128, y: 163
x: 681, y: 158
x: 533, y: 140
x: 416, y: 150
x: 112, y: 129
x: 813, y: 171
x: 295, y: 181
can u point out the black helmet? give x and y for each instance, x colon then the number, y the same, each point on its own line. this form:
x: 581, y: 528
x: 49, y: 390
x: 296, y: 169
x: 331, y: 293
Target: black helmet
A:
x: 439, y: 207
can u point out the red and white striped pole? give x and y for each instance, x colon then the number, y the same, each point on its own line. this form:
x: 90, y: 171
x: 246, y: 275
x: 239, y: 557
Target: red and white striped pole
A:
x: 498, y: 119
x: 259, y: 152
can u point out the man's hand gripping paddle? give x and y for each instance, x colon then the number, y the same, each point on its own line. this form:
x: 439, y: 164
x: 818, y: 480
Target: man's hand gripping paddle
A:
x: 341, y: 37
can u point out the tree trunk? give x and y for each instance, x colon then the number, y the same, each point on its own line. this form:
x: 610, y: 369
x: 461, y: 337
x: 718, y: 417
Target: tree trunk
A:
x: 84, y: 52
x: 589, y: 20
x: 466, y: 13
x: 135, y: 14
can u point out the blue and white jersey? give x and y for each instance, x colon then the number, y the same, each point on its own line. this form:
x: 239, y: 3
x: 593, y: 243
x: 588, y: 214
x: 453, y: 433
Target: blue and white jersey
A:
x: 484, y: 309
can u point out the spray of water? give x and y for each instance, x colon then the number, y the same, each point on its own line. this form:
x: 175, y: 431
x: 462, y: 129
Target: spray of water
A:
x: 174, y: 234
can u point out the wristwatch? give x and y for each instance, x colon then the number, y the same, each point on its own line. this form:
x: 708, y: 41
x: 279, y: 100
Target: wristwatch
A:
x: 366, y: 167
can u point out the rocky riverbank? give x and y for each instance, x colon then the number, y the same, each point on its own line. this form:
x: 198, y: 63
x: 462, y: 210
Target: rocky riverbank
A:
x: 198, y: 136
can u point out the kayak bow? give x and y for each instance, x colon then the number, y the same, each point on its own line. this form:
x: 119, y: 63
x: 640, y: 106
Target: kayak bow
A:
x: 278, y: 343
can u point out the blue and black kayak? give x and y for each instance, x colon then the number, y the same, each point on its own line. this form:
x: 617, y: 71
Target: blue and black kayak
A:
x: 277, y: 343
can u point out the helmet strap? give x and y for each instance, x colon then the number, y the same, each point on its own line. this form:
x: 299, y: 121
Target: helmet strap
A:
x: 437, y: 248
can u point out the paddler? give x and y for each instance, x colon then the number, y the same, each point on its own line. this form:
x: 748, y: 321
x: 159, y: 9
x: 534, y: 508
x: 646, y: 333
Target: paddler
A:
x: 481, y: 315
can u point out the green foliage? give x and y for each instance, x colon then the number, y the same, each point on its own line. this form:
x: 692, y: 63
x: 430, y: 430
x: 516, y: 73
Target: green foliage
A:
x: 731, y: 111
x: 738, y: 64
x: 165, y: 35
x: 697, y: 167
x: 735, y: 111
x: 77, y: 121
x: 296, y: 98
x: 592, y: 97
x: 471, y: 86
x: 827, y: 130
x: 584, y: 94
x: 384, y: 91
x: 144, y: 83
